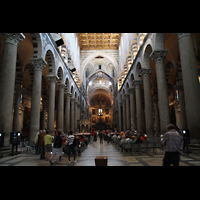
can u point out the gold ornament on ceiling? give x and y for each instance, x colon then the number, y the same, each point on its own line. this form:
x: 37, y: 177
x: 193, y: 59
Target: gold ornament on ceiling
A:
x: 90, y: 41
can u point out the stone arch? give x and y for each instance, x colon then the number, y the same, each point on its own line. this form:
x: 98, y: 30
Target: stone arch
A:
x: 72, y: 91
x: 98, y: 89
x: 51, y: 62
x: 105, y: 75
x: 137, y: 71
x: 67, y: 87
x: 49, y: 53
x: 99, y: 92
x: 60, y: 75
x: 95, y: 54
x: 37, y: 45
x: 146, y: 59
x: 131, y: 79
x: 127, y: 87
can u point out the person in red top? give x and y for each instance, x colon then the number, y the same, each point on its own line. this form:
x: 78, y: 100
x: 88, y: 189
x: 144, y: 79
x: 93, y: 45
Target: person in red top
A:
x: 83, y: 138
x: 63, y: 143
x: 107, y: 135
x: 143, y: 137
x: 93, y: 131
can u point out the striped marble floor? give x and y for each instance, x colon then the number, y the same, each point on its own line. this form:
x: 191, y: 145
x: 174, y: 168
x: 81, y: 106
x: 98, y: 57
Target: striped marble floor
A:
x: 115, y: 158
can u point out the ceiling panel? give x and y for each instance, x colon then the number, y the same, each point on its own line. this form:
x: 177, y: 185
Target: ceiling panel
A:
x: 91, y: 41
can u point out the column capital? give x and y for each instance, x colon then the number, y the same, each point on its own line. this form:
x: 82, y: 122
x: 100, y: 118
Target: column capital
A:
x: 131, y: 90
x: 146, y: 72
x: 180, y: 35
x: 52, y: 78
x: 159, y: 55
x: 13, y: 38
x: 137, y: 83
x: 38, y: 63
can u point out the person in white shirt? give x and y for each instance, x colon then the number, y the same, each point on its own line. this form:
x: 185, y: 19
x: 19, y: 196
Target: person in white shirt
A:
x: 70, y: 144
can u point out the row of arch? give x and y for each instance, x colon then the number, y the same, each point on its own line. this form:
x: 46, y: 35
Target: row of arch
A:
x: 41, y: 47
x: 56, y: 65
x: 167, y: 43
x: 143, y: 61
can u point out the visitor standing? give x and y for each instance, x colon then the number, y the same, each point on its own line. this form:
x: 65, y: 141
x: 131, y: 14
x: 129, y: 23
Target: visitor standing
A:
x: 92, y: 136
x: 56, y: 147
x: 172, y: 143
x: 48, y: 145
x: 70, y: 144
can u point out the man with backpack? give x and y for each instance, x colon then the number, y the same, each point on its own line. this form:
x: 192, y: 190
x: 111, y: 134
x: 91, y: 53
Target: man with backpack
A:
x: 56, y: 147
x: 71, y: 143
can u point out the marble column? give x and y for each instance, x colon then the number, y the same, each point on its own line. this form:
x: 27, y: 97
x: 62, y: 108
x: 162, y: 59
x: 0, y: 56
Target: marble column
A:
x: 127, y: 112
x: 67, y: 112
x: 7, y: 82
x: 139, y: 110
x: 190, y: 83
x: 132, y: 109
x: 78, y: 116
x: 121, y: 122
x: 19, y: 90
x: 119, y: 114
x: 148, y: 101
x: 78, y: 111
x: 158, y: 56
x: 72, y: 100
x: 157, y: 118
x: 51, y: 107
x: 124, y: 114
x: 179, y: 87
x: 75, y: 116
x: 38, y: 66
x: 60, y: 107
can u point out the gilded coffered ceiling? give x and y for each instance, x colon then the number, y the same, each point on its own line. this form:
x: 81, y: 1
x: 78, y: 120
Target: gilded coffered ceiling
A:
x: 90, y: 41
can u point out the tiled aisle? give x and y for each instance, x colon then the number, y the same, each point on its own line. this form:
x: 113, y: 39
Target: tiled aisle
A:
x: 115, y: 158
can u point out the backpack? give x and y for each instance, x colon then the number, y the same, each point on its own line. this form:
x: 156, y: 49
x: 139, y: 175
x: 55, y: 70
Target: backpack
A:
x: 58, y: 142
